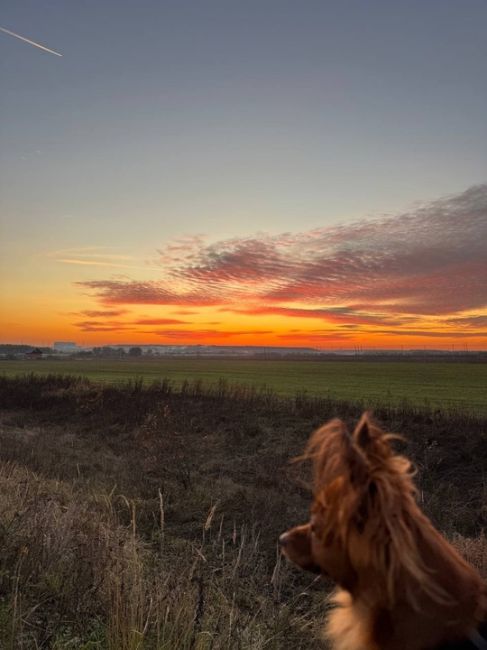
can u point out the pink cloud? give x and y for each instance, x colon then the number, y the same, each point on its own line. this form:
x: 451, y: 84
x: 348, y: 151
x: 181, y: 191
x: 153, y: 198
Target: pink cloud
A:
x: 390, y: 271
x: 133, y: 292
x: 331, y: 315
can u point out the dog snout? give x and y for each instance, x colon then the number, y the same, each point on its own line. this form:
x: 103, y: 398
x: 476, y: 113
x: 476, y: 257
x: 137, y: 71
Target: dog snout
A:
x: 284, y: 539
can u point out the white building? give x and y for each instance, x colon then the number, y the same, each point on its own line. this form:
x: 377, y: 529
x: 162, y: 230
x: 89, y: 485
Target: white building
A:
x: 65, y: 346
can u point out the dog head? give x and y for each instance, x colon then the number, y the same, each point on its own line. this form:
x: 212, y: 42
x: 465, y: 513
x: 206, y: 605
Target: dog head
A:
x: 361, y: 523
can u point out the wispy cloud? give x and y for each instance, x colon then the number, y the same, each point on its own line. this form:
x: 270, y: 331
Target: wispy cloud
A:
x: 159, y: 321
x: 103, y: 326
x: 434, y: 333
x: 202, y: 335
x: 133, y: 292
x: 94, y: 324
x: 469, y: 321
x: 336, y: 315
x: 103, y: 313
x: 312, y: 338
x: 97, y: 256
x: 81, y: 262
x: 428, y: 264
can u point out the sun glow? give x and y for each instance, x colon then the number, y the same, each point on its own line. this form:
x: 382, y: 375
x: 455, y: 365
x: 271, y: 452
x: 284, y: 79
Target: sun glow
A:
x: 327, y: 289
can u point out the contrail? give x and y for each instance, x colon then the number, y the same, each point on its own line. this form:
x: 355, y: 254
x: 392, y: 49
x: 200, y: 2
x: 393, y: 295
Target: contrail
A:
x: 22, y: 38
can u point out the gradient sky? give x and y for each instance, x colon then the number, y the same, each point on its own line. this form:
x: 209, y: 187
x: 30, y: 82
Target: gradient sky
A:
x: 244, y: 172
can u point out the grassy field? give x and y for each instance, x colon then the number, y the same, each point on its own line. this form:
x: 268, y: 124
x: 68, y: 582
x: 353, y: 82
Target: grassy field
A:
x: 140, y: 517
x: 444, y: 385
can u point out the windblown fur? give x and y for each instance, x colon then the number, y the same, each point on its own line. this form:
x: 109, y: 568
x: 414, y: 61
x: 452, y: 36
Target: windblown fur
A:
x: 401, y: 584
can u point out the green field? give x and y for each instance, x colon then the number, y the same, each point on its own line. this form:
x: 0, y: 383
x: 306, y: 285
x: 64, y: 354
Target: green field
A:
x: 450, y: 386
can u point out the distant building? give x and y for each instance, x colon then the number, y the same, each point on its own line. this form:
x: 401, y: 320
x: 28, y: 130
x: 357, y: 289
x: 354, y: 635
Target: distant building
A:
x: 65, y: 346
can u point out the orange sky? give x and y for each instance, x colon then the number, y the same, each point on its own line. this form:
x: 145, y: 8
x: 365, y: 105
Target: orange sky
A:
x: 414, y: 280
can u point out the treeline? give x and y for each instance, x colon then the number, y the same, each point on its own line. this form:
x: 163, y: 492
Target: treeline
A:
x: 16, y: 348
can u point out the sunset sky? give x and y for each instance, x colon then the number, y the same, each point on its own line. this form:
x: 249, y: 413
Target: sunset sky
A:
x: 244, y: 172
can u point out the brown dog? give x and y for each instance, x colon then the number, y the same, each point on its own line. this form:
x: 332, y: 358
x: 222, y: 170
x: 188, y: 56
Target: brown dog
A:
x: 402, y: 586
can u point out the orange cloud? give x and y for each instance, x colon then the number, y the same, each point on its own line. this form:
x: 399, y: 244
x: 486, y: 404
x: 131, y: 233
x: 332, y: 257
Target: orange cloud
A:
x: 159, y: 321
x: 103, y: 326
x: 202, y: 335
x: 337, y: 315
x: 420, y: 274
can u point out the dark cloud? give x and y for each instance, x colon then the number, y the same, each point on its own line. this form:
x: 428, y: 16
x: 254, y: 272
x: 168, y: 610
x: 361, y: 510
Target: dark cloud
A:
x: 469, y: 321
x: 434, y: 333
x: 307, y: 338
x: 103, y: 313
x: 104, y: 326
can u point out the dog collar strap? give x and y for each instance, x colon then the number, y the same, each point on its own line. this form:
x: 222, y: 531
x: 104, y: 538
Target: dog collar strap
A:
x: 475, y: 640
x: 478, y: 640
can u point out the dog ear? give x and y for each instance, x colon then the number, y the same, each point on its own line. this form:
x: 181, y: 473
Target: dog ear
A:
x: 364, y: 433
x: 357, y: 462
x: 373, y: 442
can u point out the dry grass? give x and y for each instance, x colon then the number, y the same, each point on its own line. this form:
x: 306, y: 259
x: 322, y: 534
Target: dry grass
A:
x: 474, y: 550
x: 73, y: 575
x: 138, y: 518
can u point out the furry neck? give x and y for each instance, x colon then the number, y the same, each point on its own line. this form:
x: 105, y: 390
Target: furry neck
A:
x: 448, y: 608
x: 356, y: 625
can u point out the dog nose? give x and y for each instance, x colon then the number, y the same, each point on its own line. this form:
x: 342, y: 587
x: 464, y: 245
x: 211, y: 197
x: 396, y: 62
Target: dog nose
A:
x: 283, y: 539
